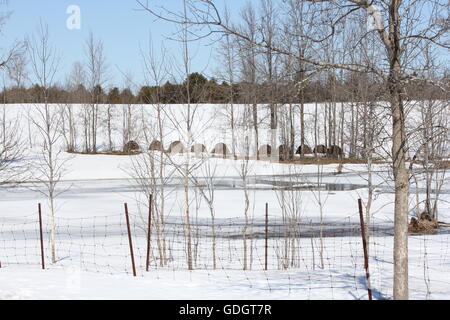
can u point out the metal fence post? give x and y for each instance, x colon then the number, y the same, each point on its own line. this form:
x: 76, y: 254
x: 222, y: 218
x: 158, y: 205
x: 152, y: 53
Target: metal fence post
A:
x: 364, y: 240
x: 41, y: 236
x: 130, y: 239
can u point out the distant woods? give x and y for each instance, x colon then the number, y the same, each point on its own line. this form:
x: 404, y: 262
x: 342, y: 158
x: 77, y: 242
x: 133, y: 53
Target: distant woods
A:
x: 204, y: 90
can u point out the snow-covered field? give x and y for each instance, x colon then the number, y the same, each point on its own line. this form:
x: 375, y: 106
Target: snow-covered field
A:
x: 92, y: 244
x: 341, y: 278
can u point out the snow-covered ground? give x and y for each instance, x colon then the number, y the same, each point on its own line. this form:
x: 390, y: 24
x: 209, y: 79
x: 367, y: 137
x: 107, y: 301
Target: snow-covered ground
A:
x: 93, y: 260
x: 429, y: 278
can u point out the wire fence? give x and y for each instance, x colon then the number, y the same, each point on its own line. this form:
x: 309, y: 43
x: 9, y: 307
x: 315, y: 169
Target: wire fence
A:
x: 324, y: 256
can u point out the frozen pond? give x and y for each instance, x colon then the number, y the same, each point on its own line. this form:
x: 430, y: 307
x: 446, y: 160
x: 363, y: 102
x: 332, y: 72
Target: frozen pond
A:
x: 339, y: 192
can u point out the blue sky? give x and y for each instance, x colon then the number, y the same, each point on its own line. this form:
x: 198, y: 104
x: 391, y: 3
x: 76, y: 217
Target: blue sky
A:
x: 121, y: 27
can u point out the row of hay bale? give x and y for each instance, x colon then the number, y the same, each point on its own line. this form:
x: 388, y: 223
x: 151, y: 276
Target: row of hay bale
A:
x: 283, y: 151
x: 223, y: 150
x: 320, y: 149
x: 178, y: 147
x: 263, y: 151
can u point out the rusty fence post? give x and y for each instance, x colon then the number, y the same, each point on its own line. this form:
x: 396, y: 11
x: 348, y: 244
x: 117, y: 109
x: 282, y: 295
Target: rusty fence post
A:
x: 149, y: 233
x: 41, y: 236
x: 364, y: 240
x: 130, y: 239
x: 266, y: 254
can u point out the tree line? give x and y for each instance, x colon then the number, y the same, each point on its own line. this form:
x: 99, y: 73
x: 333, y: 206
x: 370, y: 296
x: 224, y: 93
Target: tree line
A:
x: 212, y: 91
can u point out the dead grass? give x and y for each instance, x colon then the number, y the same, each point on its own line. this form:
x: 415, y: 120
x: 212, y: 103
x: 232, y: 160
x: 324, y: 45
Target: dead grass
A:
x: 305, y: 160
x: 324, y: 161
x: 437, y: 164
x: 443, y: 165
x: 424, y: 224
x: 107, y: 153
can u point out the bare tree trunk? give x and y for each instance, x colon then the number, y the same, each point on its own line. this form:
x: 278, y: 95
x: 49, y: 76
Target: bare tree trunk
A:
x: 398, y: 154
x: 255, y: 127
x: 401, y: 191
x: 292, y: 134
x: 352, y: 131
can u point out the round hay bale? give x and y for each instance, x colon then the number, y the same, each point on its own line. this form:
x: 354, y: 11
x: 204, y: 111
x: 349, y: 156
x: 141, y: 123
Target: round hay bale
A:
x: 304, y: 149
x: 221, y: 149
x: 265, y: 151
x: 156, y: 146
x: 334, y: 151
x: 198, y: 148
x: 131, y: 147
x: 320, y: 149
x: 176, y: 147
x: 283, y: 152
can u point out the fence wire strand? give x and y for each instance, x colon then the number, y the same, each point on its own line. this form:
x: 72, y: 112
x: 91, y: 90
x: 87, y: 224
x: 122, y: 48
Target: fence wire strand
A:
x: 295, y: 250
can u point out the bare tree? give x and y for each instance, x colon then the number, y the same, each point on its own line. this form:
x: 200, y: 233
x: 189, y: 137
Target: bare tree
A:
x: 96, y: 69
x: 243, y: 168
x: 12, y: 149
x: 229, y: 56
x: 430, y: 138
x: 128, y: 117
x: 13, y: 55
x: 50, y: 168
x: 290, y: 201
x: 269, y: 64
x: 17, y: 69
x: 77, y: 82
x: 152, y: 170
x: 249, y: 66
x: 74, y: 83
x: 207, y: 186
x: 68, y: 126
x: 187, y: 123
x: 12, y: 146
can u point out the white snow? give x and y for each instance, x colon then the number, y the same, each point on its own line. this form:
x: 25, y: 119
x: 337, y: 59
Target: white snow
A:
x: 97, y: 265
